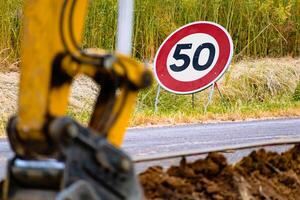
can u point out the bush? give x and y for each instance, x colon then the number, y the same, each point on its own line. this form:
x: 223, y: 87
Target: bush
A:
x: 296, y: 95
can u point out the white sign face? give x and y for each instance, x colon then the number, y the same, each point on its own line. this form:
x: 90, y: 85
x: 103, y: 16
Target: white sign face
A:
x: 195, y: 41
x: 193, y: 57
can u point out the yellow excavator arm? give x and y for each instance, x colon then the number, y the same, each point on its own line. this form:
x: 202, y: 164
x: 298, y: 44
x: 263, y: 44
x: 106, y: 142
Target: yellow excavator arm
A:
x: 51, y: 57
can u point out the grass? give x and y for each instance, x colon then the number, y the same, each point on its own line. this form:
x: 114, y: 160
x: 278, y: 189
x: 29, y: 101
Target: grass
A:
x: 296, y: 95
x: 259, y: 27
x: 254, y: 81
x: 260, y: 88
x: 277, y: 109
x: 254, y: 88
x: 3, y: 122
x: 279, y: 106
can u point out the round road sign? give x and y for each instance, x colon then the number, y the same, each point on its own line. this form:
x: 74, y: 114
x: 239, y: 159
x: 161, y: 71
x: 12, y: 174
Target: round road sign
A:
x: 193, y: 57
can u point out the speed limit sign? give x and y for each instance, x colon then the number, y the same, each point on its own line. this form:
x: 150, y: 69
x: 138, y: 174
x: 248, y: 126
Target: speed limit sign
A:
x: 193, y: 57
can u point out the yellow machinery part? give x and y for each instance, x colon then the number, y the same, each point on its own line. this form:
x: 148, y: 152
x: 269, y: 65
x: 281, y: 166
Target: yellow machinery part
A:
x: 41, y: 42
x: 116, y: 133
x: 47, y: 32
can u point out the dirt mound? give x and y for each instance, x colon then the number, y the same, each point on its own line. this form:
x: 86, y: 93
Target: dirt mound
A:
x: 261, y: 175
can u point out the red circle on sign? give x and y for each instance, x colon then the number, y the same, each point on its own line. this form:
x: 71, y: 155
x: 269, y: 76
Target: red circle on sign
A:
x: 224, y: 41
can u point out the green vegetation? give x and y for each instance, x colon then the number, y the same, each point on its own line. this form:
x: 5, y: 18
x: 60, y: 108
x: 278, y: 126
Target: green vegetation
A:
x: 296, y: 95
x: 259, y: 28
x: 251, y: 89
x: 9, y: 32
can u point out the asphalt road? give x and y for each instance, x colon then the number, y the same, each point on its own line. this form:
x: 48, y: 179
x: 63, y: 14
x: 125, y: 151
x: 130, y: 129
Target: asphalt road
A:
x: 151, y: 141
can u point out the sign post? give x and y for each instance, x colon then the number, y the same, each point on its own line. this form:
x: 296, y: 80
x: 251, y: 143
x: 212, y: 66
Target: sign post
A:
x: 125, y: 19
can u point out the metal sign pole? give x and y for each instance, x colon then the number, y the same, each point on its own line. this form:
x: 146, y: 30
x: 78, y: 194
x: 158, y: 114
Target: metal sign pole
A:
x: 125, y: 26
x: 157, y: 99
x: 193, y: 100
x: 210, y: 97
x: 220, y: 93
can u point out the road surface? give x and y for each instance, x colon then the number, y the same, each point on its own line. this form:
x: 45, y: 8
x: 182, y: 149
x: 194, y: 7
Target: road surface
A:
x: 150, y: 141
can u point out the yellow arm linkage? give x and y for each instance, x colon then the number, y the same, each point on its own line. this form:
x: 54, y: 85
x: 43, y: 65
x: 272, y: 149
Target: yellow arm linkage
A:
x: 51, y: 59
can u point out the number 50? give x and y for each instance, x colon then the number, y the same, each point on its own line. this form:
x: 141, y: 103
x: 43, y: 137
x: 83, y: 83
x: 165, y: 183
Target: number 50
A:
x: 187, y: 60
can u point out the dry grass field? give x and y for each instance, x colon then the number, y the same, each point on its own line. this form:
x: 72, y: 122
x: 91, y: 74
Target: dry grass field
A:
x: 260, y: 88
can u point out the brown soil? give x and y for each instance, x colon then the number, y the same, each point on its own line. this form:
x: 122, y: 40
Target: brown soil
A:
x: 261, y: 175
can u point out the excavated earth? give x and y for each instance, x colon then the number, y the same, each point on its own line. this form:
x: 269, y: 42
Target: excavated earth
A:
x: 261, y: 175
